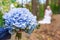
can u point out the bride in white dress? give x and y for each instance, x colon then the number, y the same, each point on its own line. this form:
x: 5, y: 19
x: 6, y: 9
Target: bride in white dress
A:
x: 47, y: 16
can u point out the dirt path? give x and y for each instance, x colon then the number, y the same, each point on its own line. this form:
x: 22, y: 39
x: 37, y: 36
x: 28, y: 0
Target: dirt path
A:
x: 48, y: 32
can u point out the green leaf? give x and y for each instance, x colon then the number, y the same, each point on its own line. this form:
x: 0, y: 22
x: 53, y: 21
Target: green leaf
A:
x: 13, y: 1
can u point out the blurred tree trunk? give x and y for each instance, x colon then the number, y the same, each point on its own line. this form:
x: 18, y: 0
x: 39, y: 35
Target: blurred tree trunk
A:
x: 34, y: 7
x: 47, y: 3
x: 58, y: 2
x: 38, y: 10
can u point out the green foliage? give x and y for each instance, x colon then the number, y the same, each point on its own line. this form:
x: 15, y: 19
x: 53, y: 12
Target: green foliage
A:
x: 12, y: 1
x: 41, y: 11
x: 59, y: 9
x: 1, y: 19
x: 17, y: 5
x: 5, y: 5
x: 55, y: 8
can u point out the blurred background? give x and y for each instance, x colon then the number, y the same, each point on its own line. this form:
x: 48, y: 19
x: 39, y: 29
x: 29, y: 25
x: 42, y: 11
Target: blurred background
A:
x: 37, y: 7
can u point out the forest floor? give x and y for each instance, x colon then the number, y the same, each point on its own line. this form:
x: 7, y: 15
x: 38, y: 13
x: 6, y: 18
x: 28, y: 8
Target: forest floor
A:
x: 46, y: 31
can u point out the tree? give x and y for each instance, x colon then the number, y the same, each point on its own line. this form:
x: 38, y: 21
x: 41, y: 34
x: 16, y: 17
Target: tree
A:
x: 34, y: 7
x: 58, y: 2
x: 47, y: 3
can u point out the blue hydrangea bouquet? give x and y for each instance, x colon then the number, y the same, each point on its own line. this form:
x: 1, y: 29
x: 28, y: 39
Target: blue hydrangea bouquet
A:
x: 20, y: 18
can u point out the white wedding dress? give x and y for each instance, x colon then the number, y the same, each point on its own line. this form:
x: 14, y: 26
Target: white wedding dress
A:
x: 47, y: 17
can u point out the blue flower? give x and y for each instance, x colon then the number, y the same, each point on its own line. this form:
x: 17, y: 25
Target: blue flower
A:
x: 21, y: 18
